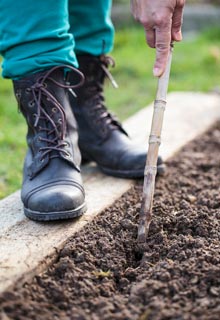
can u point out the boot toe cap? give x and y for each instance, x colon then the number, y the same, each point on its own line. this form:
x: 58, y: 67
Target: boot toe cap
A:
x: 56, y: 202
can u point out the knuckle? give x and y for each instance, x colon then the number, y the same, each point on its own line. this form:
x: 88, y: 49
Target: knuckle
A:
x: 161, y: 20
x: 144, y: 22
x: 137, y: 18
x: 162, y: 47
x: 181, y: 3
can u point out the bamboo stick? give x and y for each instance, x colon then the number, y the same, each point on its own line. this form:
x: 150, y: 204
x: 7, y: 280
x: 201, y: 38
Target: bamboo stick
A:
x: 152, y: 156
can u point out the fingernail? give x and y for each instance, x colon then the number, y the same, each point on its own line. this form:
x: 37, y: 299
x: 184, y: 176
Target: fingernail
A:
x: 157, y: 72
x: 179, y: 36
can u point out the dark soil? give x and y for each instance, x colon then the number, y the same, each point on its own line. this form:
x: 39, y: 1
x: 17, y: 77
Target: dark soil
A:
x: 100, y: 275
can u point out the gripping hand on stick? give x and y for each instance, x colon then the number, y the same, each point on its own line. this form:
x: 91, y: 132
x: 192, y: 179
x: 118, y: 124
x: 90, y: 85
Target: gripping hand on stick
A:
x: 162, y: 21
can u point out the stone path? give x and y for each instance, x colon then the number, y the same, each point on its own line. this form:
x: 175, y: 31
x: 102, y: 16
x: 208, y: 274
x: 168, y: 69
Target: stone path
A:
x: 27, y: 247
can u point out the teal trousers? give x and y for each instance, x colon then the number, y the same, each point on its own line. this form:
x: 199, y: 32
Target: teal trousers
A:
x: 36, y: 35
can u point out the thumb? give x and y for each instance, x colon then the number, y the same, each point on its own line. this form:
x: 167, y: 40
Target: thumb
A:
x: 177, y: 22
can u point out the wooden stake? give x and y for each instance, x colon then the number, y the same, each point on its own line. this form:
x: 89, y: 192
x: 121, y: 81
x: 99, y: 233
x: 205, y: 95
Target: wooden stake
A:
x: 152, y: 156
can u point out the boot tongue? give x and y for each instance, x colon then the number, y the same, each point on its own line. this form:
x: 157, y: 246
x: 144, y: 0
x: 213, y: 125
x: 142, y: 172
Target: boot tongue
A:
x: 92, y: 70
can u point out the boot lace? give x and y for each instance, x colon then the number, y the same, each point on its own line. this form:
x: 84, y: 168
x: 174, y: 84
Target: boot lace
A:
x: 94, y: 93
x: 56, y: 131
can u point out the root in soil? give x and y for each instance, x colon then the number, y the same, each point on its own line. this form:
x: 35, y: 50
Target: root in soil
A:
x: 100, y: 273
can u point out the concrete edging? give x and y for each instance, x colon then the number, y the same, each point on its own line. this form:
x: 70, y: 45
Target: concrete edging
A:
x: 27, y: 247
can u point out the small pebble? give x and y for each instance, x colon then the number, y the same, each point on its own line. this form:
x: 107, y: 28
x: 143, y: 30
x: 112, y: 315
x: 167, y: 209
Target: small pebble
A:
x: 127, y: 224
x: 191, y: 198
x: 214, y: 291
x: 194, y: 280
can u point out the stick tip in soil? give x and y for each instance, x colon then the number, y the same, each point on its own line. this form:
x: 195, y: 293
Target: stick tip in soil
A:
x: 140, y: 249
x: 141, y: 238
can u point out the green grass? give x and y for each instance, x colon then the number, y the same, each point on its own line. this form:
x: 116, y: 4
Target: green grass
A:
x: 12, y: 141
x: 196, y: 67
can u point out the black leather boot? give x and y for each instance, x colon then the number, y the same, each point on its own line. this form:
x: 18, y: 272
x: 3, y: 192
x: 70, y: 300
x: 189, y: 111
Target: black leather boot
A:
x: 52, y: 186
x: 101, y: 137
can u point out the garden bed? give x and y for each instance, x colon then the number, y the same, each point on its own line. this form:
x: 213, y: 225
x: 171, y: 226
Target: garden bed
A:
x: 100, y: 274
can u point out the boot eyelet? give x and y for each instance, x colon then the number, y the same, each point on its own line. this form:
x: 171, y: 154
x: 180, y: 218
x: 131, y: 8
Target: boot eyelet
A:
x: 60, y: 121
x: 27, y: 90
x: 67, y: 155
x: 42, y: 160
x: 66, y: 144
x: 31, y: 104
x: 18, y: 95
x: 45, y: 85
x: 54, y: 110
x: 103, y: 130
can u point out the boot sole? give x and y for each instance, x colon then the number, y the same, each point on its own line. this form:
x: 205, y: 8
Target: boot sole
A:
x: 53, y: 216
x: 132, y: 174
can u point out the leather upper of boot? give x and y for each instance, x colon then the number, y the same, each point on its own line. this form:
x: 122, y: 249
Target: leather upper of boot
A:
x: 51, y: 175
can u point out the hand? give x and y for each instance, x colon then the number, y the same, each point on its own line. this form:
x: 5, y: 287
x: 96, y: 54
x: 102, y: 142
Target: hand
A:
x: 162, y: 21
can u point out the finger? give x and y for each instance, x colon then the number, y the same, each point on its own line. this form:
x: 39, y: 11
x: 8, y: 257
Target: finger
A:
x: 177, y: 22
x: 163, y: 41
x: 134, y: 9
x: 150, y: 37
x: 137, y: 9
